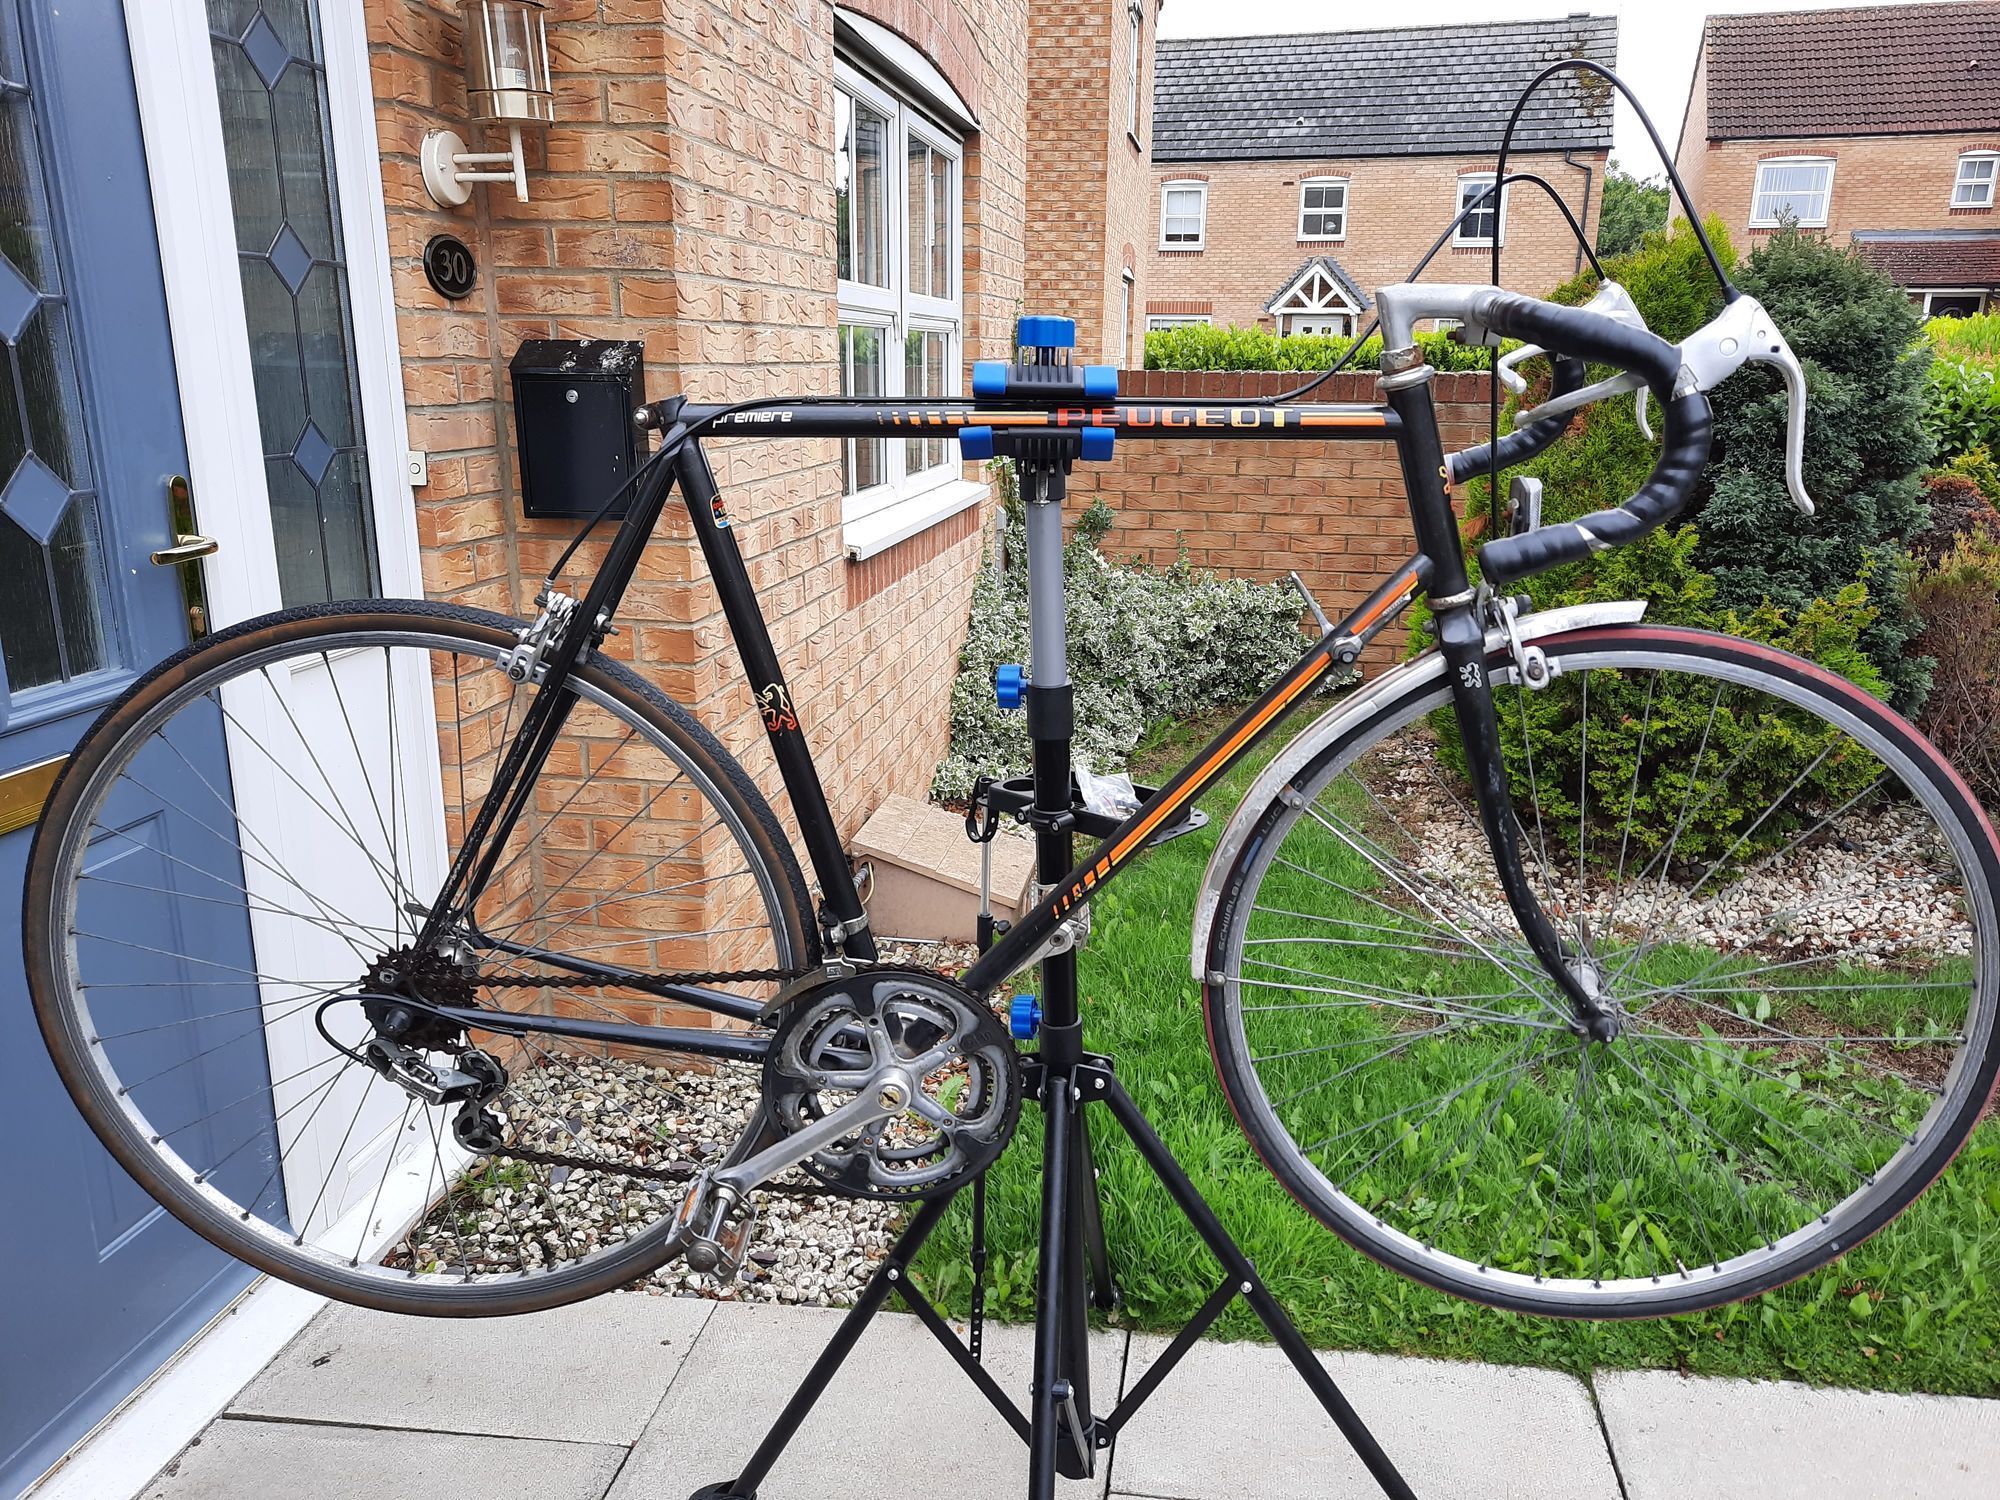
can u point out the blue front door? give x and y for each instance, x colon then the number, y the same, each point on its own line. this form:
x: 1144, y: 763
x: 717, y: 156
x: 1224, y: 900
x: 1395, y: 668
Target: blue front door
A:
x: 97, y: 1285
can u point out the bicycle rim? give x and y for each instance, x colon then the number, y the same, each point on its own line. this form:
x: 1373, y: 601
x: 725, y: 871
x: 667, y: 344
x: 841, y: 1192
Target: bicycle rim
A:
x: 225, y: 1066
x: 1786, y: 894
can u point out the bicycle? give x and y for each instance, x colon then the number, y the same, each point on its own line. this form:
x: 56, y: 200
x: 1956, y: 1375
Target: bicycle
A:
x: 1684, y: 1048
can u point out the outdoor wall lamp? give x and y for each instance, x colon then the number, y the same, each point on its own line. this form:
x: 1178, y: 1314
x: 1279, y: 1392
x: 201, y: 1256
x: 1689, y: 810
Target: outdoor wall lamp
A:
x: 506, y: 83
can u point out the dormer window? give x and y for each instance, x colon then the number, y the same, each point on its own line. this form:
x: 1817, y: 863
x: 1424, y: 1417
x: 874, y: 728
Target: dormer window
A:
x: 1977, y: 171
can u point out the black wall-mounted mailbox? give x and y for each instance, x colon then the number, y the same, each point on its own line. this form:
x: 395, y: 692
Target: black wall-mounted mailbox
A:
x: 573, y: 405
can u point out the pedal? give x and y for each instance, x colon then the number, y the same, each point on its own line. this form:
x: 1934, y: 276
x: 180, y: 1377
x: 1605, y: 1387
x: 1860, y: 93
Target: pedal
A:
x: 720, y: 1230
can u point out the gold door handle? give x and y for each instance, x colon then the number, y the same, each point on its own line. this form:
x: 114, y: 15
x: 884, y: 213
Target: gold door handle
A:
x: 189, y: 546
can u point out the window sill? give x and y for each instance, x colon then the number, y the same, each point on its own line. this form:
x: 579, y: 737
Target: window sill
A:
x: 907, y: 517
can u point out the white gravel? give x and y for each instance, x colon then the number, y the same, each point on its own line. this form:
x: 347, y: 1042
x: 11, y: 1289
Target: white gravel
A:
x: 1875, y: 886
x: 810, y: 1251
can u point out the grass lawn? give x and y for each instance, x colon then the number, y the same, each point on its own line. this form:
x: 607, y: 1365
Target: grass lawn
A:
x: 1911, y: 1309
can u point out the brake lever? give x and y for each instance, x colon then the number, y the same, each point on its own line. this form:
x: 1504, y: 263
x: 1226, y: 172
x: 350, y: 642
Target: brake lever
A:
x: 1743, y: 334
x: 1612, y: 301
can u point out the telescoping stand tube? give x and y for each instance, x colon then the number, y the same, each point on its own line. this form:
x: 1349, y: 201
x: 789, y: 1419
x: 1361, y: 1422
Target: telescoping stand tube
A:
x: 1062, y: 1431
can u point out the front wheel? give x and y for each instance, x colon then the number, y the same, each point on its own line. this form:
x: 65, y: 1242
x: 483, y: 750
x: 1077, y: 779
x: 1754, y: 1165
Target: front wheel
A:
x: 1785, y: 893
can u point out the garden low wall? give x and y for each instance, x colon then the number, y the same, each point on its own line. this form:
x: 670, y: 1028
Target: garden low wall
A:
x: 1333, y: 511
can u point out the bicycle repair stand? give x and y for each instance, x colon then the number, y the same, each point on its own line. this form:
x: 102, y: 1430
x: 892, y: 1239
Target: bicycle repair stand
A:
x: 1061, y: 1428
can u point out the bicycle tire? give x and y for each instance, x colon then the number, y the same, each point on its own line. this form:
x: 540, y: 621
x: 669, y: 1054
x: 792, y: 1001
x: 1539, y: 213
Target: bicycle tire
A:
x: 1707, y: 1021
x: 664, y: 735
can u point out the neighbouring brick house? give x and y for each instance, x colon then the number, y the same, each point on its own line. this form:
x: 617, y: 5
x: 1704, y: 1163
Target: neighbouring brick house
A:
x: 1878, y: 124
x: 1294, y: 174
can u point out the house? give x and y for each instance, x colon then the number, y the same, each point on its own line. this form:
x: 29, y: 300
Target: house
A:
x: 228, y: 286
x: 1879, y: 124
x: 1294, y: 174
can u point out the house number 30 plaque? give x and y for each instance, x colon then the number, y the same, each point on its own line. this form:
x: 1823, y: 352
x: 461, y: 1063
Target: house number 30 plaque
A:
x: 449, y: 266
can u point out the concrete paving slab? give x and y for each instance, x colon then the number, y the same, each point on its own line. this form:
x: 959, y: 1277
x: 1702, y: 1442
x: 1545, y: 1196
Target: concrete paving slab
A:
x: 591, y: 1373
x: 1235, y: 1422
x: 900, y: 1419
x: 239, y: 1460
x: 1686, y: 1439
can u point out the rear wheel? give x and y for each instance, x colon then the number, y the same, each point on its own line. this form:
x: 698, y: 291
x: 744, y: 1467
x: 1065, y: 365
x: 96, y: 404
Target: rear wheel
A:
x: 1786, y: 894
x: 224, y: 936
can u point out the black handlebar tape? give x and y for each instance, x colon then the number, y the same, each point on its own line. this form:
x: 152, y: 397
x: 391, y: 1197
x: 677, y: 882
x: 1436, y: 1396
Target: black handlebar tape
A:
x: 1524, y: 443
x: 1683, y: 451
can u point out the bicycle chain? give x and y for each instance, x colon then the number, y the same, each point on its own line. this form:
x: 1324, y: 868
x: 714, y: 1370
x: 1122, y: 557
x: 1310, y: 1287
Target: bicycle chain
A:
x: 655, y: 1174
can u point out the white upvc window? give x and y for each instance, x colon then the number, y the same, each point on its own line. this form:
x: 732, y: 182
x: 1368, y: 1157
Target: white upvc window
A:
x: 1124, y: 356
x: 1323, y: 208
x: 1482, y: 224
x: 1973, y: 187
x: 1157, y: 321
x: 1183, y: 215
x: 1951, y: 302
x: 899, y: 225
x: 1137, y: 41
x: 1798, y: 188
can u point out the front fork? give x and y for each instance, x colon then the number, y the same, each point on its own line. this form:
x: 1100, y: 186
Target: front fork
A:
x: 1461, y: 635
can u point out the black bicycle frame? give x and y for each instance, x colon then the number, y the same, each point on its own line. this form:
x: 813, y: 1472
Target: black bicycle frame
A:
x: 1408, y: 418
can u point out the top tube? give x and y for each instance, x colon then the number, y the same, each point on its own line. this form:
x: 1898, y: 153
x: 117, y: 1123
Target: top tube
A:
x: 1164, y: 420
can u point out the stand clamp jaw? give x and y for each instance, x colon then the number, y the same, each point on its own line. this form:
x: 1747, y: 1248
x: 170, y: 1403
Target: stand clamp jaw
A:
x: 1044, y: 382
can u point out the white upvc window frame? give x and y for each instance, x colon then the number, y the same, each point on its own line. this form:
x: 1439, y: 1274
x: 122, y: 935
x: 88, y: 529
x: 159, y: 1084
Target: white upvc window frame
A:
x: 1991, y: 181
x: 1325, y: 180
x: 1459, y: 237
x: 1183, y: 185
x: 1160, y: 322
x: 1925, y: 294
x: 1136, y: 36
x: 906, y: 501
x: 1128, y: 287
x: 1757, y: 191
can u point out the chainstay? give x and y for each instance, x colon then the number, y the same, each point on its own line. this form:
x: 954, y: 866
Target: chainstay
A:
x: 579, y: 982
x: 654, y: 1174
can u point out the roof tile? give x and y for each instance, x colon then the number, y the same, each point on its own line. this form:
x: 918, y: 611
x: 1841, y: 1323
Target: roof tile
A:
x: 1414, y: 91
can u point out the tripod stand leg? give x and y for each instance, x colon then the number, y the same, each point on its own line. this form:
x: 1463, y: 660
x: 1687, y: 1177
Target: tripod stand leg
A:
x: 1090, y: 1206
x: 1236, y: 1264
x: 1045, y: 1412
x: 880, y: 1286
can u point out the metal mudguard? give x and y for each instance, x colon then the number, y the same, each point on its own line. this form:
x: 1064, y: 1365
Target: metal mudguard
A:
x: 1336, y: 720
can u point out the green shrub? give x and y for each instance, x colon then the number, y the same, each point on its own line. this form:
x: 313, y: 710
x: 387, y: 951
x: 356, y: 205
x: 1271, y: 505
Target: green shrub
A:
x: 1865, y: 450
x: 1963, y: 407
x: 1977, y: 468
x: 1977, y: 337
x: 1630, y: 208
x: 1653, y: 759
x: 1959, y: 602
x: 1145, y: 645
x: 1602, y: 462
x: 1200, y: 346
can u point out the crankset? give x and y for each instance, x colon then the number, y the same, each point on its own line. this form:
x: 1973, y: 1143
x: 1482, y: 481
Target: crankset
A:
x: 888, y: 1083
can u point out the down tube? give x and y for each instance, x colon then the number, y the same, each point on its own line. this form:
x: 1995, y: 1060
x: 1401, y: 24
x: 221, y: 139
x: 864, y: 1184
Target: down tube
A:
x: 1012, y: 951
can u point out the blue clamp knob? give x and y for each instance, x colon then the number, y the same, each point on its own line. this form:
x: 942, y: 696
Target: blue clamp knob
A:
x: 1100, y: 382
x: 1024, y: 1017
x: 975, y: 443
x: 1045, y: 333
x: 1010, y: 685
x: 1097, y: 443
x: 989, y: 379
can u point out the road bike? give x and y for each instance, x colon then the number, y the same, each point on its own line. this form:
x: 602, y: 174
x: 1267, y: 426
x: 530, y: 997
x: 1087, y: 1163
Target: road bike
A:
x: 1575, y: 965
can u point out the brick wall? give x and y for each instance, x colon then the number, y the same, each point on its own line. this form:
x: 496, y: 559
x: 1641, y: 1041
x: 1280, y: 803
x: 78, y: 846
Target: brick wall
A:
x: 1258, y: 509
x: 685, y: 199
x: 1089, y: 184
x: 1879, y: 182
x: 1395, y: 207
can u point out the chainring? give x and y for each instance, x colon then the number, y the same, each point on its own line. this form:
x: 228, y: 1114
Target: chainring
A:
x: 832, y: 1035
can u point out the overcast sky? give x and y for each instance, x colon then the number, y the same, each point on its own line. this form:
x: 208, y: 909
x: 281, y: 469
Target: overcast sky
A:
x: 1656, y: 40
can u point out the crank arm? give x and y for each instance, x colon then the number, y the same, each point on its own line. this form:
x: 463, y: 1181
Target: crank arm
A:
x: 865, y: 1109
